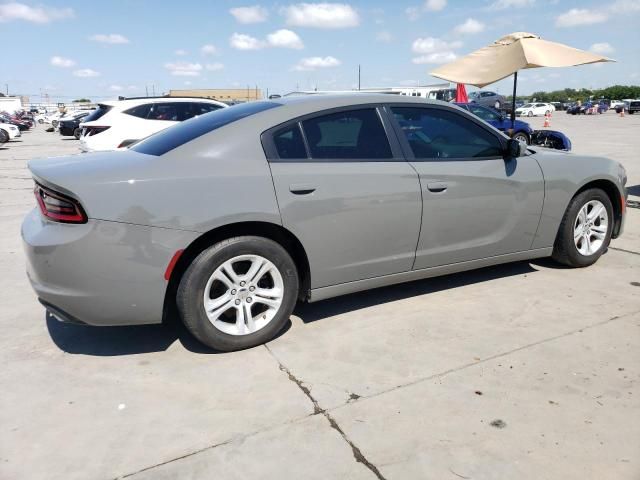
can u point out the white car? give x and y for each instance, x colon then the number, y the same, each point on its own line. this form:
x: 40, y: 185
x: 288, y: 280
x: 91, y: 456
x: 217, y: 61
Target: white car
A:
x: 11, y: 130
x: 533, y: 109
x: 117, y: 124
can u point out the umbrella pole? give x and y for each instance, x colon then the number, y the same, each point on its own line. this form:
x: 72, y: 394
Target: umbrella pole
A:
x: 513, y: 104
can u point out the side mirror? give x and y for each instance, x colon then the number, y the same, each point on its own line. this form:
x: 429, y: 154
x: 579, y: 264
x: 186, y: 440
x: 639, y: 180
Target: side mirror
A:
x: 514, y: 148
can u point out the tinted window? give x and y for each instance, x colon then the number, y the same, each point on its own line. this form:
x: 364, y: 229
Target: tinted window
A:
x: 434, y: 133
x: 141, y: 111
x: 98, y: 112
x: 166, y: 140
x: 203, y: 108
x: 289, y: 143
x: 357, y: 134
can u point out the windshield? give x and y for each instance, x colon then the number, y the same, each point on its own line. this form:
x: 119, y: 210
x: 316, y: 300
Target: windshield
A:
x: 474, y: 94
x: 173, y: 137
x: 527, y: 105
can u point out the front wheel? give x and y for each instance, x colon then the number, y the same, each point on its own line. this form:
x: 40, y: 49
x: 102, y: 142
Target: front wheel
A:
x: 239, y: 293
x: 530, y: 114
x: 522, y: 137
x: 77, y: 132
x: 585, y: 230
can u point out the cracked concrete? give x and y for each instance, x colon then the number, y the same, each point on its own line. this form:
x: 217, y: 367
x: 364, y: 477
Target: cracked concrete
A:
x: 382, y: 384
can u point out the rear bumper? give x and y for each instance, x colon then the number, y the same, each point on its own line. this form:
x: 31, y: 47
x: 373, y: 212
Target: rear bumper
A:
x: 100, y: 273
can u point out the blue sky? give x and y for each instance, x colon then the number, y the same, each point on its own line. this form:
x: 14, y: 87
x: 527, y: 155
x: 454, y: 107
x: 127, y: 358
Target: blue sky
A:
x: 116, y: 47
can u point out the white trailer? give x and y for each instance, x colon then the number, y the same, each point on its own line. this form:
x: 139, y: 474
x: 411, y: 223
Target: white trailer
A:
x: 10, y: 104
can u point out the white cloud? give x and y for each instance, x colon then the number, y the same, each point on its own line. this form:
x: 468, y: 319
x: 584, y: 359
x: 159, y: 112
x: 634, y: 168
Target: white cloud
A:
x: 187, y: 82
x: 434, y: 50
x: 112, y: 38
x: 208, y: 49
x: 181, y: 53
x: 469, y: 27
x: 184, y: 69
x: 625, y: 6
x: 285, y: 39
x: 62, y: 62
x: 116, y: 88
x: 580, y: 16
x: 254, y: 14
x: 384, y: 36
x: 435, y: 5
x: 433, y: 45
x: 132, y: 87
x: 86, y: 73
x: 321, y: 15
x: 602, y: 48
x: 240, y: 41
x: 438, y: 57
x: 413, y: 13
x: 41, y: 14
x: 503, y: 4
x: 214, y: 67
x: 313, y: 63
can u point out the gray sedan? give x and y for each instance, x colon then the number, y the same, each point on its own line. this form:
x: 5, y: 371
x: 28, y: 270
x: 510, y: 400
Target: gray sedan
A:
x: 236, y: 215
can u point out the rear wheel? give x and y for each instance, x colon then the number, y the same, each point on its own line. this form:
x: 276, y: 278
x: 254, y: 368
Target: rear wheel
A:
x: 4, y: 136
x: 77, y: 132
x: 530, y: 114
x: 239, y: 293
x: 585, y: 230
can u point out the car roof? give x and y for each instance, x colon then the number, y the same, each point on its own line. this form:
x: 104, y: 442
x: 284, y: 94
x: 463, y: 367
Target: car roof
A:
x: 323, y: 101
x: 130, y: 102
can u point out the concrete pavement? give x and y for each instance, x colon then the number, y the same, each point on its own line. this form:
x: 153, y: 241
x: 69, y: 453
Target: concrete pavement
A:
x: 525, y: 371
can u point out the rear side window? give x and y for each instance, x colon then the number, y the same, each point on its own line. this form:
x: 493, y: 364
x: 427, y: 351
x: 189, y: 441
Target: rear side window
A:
x: 439, y: 134
x: 289, y: 143
x: 177, y: 135
x: 98, y: 112
x: 356, y: 134
x: 141, y: 111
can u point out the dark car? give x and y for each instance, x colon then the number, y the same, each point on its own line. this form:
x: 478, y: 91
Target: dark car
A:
x: 522, y: 130
x: 71, y: 127
x: 22, y: 126
x: 632, y: 107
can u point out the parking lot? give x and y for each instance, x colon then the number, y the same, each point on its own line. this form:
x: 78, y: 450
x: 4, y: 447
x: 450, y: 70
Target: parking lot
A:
x: 527, y: 370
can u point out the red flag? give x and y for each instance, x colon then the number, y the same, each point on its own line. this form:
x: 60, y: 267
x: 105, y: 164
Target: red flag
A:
x: 461, y: 94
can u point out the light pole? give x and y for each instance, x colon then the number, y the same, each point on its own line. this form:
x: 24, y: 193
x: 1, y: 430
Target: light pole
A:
x: 6, y: 86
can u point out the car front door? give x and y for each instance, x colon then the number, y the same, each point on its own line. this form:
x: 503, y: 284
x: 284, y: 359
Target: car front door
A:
x: 476, y: 204
x: 347, y: 193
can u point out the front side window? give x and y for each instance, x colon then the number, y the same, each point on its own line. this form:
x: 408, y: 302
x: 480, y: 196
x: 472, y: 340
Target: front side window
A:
x: 289, y: 143
x: 484, y: 113
x: 356, y: 134
x: 440, y: 134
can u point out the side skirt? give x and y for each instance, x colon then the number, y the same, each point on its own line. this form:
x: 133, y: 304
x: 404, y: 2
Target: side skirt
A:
x: 323, y: 293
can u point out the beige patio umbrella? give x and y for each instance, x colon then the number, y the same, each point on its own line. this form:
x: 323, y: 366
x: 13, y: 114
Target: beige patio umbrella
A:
x: 509, y: 54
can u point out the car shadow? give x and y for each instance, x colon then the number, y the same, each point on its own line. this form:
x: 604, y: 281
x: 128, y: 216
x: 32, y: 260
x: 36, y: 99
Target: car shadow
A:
x: 312, y: 312
x: 131, y: 340
x: 634, y: 190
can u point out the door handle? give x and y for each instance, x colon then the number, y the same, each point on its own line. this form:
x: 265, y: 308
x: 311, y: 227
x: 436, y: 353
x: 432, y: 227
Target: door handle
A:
x: 302, y: 188
x: 437, y: 187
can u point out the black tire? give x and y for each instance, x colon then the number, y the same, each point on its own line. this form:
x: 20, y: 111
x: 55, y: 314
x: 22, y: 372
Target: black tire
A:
x: 564, y: 248
x: 77, y: 132
x: 530, y: 114
x: 4, y: 136
x: 522, y: 137
x: 190, y: 295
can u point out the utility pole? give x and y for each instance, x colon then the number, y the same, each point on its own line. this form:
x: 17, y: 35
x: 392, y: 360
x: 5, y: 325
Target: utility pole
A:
x: 153, y: 87
x: 146, y: 90
x: 6, y: 85
x: 358, y: 76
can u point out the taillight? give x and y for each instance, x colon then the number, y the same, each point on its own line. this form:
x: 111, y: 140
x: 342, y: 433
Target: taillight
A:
x: 58, y: 207
x: 90, y: 131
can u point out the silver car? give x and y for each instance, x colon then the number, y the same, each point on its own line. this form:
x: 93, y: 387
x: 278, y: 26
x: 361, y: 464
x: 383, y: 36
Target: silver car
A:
x: 488, y: 99
x: 238, y: 214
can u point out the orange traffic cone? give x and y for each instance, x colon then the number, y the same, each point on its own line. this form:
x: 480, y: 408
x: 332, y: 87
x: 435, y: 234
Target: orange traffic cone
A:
x: 547, y: 122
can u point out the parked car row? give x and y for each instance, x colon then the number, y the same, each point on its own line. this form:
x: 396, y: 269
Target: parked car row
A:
x: 120, y: 123
x: 12, y: 125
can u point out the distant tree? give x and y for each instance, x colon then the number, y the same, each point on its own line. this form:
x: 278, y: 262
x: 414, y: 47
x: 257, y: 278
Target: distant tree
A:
x: 82, y: 100
x: 615, y: 92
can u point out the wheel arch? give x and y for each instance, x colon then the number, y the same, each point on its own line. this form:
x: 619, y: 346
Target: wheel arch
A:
x: 614, y: 195
x: 272, y: 231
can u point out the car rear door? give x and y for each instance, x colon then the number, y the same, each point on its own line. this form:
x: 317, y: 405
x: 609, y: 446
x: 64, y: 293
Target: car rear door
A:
x: 347, y: 193
x: 476, y: 204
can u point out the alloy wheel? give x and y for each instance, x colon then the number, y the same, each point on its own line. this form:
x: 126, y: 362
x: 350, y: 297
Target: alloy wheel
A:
x: 243, y: 294
x: 590, y: 227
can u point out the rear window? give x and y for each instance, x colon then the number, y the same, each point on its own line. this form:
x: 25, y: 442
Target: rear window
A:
x: 98, y: 112
x: 177, y: 135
